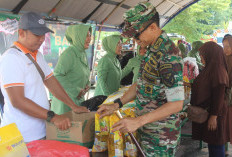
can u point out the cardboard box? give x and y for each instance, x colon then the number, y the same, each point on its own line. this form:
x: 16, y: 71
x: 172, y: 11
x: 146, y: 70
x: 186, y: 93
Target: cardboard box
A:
x: 81, y: 132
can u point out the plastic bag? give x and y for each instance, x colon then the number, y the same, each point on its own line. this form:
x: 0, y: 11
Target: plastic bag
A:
x: 190, y: 69
x: 93, y: 103
x: 51, y: 148
x: 11, y: 142
x: 190, y: 72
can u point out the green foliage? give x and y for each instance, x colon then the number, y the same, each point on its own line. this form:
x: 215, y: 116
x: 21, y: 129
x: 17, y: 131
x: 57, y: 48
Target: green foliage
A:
x: 200, y: 19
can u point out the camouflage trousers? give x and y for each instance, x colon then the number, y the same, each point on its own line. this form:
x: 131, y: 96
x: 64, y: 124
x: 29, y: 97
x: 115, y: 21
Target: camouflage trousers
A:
x: 151, y: 147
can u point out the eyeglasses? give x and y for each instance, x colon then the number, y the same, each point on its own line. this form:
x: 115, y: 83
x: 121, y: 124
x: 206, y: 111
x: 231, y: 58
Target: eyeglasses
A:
x: 139, y: 33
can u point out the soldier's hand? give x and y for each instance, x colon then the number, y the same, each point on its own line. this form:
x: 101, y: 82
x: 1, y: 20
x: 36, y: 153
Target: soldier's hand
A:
x: 107, y: 109
x: 61, y: 122
x: 127, y: 125
x: 79, y: 109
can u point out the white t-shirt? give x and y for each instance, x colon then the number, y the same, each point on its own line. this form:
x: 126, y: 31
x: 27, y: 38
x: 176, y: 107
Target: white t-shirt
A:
x: 16, y: 69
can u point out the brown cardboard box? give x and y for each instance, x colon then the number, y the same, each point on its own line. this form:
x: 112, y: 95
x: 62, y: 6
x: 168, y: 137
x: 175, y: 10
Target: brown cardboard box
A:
x: 81, y: 132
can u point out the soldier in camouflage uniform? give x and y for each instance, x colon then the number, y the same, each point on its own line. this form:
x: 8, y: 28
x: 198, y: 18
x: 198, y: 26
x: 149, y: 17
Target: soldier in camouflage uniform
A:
x: 159, y: 89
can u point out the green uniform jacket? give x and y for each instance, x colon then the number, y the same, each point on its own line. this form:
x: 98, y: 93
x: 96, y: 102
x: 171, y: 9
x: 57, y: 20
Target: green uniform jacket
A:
x: 72, y: 69
x: 109, y: 71
x: 195, y: 53
x: 133, y: 65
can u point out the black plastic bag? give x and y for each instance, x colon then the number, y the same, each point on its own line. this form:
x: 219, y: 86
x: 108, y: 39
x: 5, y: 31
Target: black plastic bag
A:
x: 93, y: 103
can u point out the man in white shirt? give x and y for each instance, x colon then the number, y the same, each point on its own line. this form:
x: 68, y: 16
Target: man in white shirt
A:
x: 26, y: 102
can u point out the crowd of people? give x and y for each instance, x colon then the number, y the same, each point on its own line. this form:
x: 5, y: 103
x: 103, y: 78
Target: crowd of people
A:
x: 157, y: 88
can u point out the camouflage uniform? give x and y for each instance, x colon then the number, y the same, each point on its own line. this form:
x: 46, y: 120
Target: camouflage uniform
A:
x: 160, y: 81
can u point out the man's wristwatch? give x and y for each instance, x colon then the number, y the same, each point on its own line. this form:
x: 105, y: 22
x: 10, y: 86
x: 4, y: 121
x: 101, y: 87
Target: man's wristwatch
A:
x: 50, y: 115
x: 119, y: 102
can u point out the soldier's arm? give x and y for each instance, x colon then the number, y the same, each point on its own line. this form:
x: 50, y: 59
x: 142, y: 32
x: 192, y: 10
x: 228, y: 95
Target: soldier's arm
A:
x: 106, y: 109
x: 132, y: 124
x: 162, y: 112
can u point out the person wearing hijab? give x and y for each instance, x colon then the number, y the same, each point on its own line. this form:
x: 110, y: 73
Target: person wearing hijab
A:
x: 134, y: 64
x: 208, y: 91
x: 227, y: 46
x: 182, y: 50
x: 109, y: 71
x: 72, y: 69
x: 195, y: 52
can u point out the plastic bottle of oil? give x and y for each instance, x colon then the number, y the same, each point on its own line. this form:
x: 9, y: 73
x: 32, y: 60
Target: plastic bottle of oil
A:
x: 115, y: 145
x: 100, y: 143
x: 130, y: 149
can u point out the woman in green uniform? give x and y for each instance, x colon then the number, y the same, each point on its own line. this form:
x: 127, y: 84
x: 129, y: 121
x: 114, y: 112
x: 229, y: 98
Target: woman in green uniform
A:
x: 72, y: 69
x: 109, y: 71
x: 134, y: 64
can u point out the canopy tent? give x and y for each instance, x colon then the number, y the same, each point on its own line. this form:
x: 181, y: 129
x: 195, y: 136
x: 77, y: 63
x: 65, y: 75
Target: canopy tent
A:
x: 109, y: 12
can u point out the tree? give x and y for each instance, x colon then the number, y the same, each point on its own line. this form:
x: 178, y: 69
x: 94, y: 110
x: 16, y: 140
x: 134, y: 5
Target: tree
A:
x: 201, y: 19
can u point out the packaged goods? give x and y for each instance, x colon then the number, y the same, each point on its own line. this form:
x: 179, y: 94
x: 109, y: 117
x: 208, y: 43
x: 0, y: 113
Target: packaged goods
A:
x: 11, y: 142
x: 130, y: 149
x: 115, y: 144
x: 100, y: 143
x: 113, y: 141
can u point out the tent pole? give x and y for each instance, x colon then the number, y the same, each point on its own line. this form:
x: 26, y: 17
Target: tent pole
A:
x: 19, y: 6
x: 94, y: 57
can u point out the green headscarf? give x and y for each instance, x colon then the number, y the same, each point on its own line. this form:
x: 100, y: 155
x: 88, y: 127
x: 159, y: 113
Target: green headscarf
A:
x: 109, y: 71
x: 195, y: 53
x: 182, y: 50
x: 110, y: 43
x: 196, y: 45
x: 76, y: 35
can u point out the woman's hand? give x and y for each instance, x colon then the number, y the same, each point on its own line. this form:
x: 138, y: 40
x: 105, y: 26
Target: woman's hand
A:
x: 87, y: 88
x: 212, y: 123
x: 83, y: 92
x: 79, y: 109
